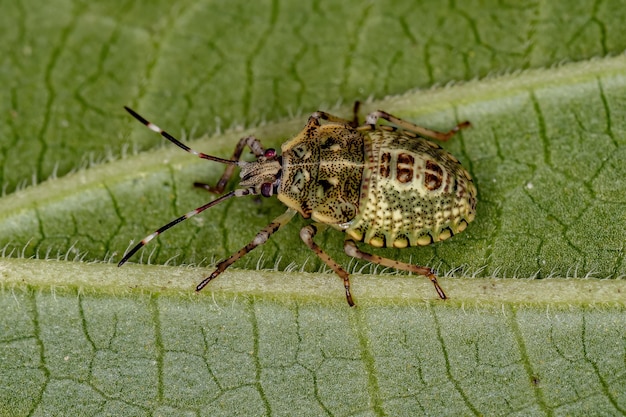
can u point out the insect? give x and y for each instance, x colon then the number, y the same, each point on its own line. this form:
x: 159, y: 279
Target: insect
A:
x: 383, y: 185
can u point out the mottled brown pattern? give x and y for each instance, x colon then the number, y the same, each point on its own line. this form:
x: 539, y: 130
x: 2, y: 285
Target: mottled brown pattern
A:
x: 404, y: 168
x: 385, y: 161
x: 420, y: 212
x: 433, y: 176
x: 322, y: 173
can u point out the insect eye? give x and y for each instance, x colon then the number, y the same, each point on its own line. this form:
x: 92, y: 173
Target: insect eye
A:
x: 266, y: 189
x: 270, y: 153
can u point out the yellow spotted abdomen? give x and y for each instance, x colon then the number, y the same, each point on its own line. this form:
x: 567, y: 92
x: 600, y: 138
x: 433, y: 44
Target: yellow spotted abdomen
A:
x: 413, y: 193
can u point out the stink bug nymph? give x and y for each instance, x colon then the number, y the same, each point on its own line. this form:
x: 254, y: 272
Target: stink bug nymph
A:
x: 382, y: 185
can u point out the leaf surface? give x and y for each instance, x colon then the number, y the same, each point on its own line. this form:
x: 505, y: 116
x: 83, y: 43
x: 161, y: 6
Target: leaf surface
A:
x: 546, y: 150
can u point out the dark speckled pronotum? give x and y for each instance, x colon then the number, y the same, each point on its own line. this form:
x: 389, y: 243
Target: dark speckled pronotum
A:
x: 383, y: 185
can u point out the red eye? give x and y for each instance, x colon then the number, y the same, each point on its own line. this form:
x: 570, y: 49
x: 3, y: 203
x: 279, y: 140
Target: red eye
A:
x: 270, y: 153
x: 266, y: 189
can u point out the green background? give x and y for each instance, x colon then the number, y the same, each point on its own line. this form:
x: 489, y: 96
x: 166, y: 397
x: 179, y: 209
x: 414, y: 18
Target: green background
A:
x: 544, y: 85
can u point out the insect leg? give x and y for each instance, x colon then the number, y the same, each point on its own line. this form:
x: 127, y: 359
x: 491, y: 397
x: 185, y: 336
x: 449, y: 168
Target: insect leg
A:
x: 352, y: 250
x: 307, y: 234
x: 260, y: 239
x: 355, y: 114
x: 257, y: 149
x: 315, y: 117
x: 372, y: 119
x: 322, y: 115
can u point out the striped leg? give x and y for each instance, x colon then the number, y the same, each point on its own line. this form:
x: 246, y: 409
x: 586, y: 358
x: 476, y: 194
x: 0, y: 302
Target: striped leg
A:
x: 351, y: 250
x: 372, y: 119
x: 355, y: 114
x: 260, y: 239
x: 307, y: 234
x: 322, y: 115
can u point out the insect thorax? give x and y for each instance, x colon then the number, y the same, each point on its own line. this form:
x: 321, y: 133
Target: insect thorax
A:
x: 415, y: 193
x: 322, y: 173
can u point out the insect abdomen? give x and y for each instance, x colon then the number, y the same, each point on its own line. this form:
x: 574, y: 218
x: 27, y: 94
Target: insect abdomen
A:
x: 416, y: 193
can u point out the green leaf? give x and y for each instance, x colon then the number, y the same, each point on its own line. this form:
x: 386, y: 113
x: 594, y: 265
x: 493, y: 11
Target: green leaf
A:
x: 546, y: 149
x: 282, y: 343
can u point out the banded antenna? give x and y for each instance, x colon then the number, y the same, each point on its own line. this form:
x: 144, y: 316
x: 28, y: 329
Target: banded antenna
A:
x: 235, y: 193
